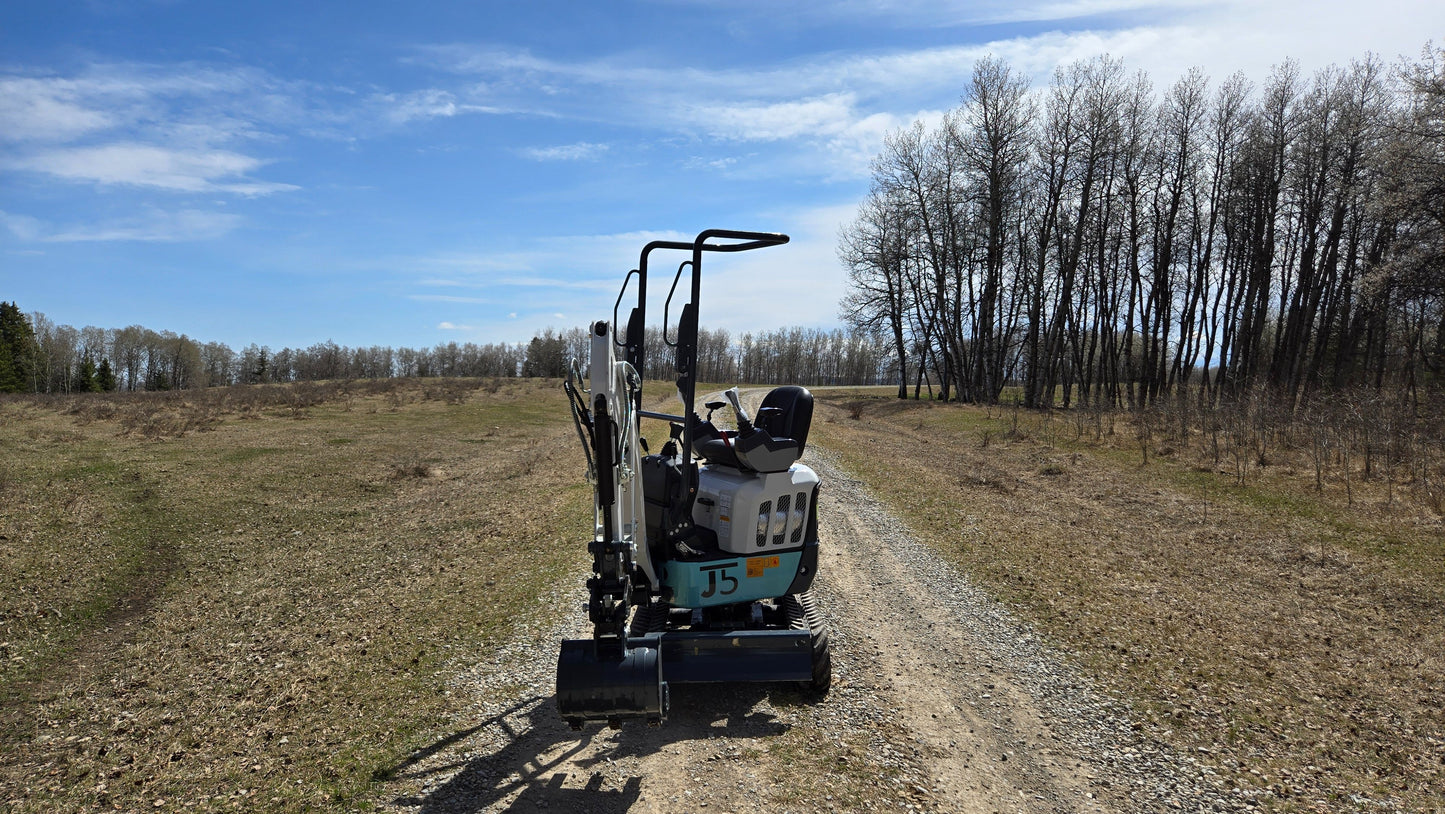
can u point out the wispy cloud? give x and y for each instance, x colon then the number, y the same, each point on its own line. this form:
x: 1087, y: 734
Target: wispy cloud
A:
x: 449, y: 298
x: 581, y: 151
x: 578, y: 262
x: 22, y: 226
x: 422, y: 104
x: 182, y: 101
x: 772, y: 121
x: 835, y: 106
x: 41, y: 110
x: 151, y: 225
x: 428, y: 103
x: 175, y: 227
x: 152, y: 166
x: 698, y: 162
x: 180, y: 128
x: 902, y: 14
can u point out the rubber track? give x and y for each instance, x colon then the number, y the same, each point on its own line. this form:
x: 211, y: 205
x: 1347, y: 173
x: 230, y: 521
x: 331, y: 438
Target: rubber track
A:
x: 651, y: 618
x: 803, y: 614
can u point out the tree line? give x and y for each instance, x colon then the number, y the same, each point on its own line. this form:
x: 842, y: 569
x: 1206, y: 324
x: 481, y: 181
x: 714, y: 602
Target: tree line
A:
x: 38, y: 355
x: 807, y: 356
x: 1099, y: 241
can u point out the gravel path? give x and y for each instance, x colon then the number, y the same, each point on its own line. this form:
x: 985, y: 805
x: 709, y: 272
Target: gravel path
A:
x: 960, y: 707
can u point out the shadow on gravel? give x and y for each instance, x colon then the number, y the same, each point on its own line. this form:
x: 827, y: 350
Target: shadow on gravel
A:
x: 528, y: 756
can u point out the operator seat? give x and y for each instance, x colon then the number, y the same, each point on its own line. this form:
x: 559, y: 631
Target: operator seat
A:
x: 787, y: 412
x: 777, y: 439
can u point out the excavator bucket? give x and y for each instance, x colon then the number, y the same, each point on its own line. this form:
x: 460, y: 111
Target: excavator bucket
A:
x: 611, y: 687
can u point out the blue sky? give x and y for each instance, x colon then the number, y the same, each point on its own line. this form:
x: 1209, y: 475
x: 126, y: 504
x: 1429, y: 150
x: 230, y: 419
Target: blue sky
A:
x: 411, y: 173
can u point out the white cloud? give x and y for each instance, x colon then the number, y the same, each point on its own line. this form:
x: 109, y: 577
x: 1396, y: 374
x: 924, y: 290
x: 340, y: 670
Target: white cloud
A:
x: 794, y: 284
x: 420, y: 104
x: 179, y: 104
x: 835, y: 107
x: 427, y: 103
x: 22, y: 226
x: 466, y: 263
x: 449, y: 298
x: 168, y: 228
x: 765, y: 289
x: 151, y: 225
x: 698, y: 162
x: 558, y: 262
x: 449, y: 326
x: 773, y: 121
x: 176, y: 128
x: 581, y: 151
x: 976, y: 12
x: 1064, y: 10
x: 40, y: 110
x: 151, y: 166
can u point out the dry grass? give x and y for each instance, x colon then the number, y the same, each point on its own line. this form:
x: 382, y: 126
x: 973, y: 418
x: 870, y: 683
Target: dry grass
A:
x: 252, y: 598
x: 1298, y: 635
x: 232, y: 598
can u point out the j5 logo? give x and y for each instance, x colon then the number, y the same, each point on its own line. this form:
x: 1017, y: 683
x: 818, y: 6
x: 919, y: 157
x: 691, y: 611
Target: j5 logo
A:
x: 716, y: 573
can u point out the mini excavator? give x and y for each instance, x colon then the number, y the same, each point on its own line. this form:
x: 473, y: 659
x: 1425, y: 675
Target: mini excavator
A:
x: 704, y: 552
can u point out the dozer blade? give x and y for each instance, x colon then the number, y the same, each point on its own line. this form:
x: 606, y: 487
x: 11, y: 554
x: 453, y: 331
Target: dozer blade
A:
x: 708, y: 657
x: 613, y: 690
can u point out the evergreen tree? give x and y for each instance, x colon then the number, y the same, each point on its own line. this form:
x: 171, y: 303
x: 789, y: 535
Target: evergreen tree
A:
x: 85, y: 380
x: 7, y: 369
x: 17, y: 350
x: 104, y: 376
x: 546, y: 356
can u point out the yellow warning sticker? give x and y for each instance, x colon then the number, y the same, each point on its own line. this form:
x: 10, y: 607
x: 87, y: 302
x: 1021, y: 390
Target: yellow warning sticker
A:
x: 757, y: 565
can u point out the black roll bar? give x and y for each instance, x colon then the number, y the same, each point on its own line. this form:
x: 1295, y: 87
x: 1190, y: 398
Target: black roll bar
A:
x: 632, y: 337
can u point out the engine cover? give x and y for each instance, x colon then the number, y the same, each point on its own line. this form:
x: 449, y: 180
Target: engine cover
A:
x: 755, y: 512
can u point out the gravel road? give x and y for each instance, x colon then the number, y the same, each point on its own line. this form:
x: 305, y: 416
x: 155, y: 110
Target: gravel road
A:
x: 959, y: 705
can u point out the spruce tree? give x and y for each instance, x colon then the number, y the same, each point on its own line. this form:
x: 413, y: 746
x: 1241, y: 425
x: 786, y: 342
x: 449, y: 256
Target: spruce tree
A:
x: 17, y: 350
x: 84, y: 379
x: 7, y: 369
x: 105, y: 376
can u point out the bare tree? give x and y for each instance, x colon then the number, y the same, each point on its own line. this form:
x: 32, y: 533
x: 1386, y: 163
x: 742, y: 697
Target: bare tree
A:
x: 874, y: 250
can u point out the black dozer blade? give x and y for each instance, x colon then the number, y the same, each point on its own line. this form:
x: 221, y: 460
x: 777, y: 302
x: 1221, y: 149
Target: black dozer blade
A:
x: 614, y: 690
x: 611, y: 689
x: 713, y: 657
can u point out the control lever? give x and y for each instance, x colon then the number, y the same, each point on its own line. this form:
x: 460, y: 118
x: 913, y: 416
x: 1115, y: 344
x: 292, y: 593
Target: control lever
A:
x: 745, y: 424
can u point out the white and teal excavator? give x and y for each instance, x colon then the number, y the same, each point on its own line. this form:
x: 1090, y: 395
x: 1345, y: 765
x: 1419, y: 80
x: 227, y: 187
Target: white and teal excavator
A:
x: 704, y: 552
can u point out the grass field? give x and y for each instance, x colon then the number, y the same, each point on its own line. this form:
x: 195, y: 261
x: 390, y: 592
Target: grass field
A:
x: 1296, y: 636
x: 253, y: 597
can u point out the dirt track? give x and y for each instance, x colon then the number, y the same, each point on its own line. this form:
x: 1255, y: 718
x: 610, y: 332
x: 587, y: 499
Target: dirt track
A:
x: 942, y: 701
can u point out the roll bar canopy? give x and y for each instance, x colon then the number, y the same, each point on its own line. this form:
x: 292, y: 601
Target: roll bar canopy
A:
x: 632, y: 338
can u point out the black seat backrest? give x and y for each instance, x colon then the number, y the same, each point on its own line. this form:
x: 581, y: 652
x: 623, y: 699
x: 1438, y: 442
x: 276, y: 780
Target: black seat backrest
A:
x: 787, y: 412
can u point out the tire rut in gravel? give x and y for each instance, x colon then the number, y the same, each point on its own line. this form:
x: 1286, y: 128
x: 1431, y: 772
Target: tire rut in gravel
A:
x: 983, y: 742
